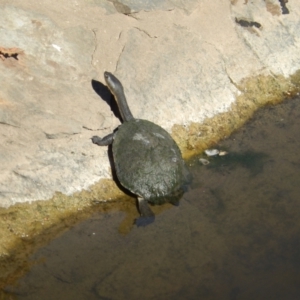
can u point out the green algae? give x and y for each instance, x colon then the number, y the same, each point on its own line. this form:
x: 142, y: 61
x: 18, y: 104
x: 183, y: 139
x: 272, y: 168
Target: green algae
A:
x: 255, y: 92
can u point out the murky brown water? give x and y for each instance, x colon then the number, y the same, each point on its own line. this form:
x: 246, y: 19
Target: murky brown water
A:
x: 235, y: 234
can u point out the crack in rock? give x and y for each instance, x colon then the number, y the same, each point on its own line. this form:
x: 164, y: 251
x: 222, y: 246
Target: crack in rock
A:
x: 95, y: 47
x: 118, y: 60
x: 147, y: 33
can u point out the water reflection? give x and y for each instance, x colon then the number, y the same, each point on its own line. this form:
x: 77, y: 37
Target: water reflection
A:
x: 235, y: 234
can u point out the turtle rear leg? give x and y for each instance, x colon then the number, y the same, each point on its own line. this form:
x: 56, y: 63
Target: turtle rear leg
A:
x: 147, y: 215
x: 107, y: 140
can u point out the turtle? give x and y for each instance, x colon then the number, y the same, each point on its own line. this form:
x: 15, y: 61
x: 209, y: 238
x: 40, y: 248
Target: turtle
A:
x: 147, y: 160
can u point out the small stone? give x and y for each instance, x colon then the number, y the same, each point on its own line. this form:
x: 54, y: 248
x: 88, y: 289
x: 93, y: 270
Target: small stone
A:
x: 212, y: 152
x: 222, y: 153
x: 204, y: 161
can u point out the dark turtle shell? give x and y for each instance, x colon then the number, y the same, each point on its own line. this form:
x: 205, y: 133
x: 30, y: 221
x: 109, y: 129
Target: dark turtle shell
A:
x: 148, y: 162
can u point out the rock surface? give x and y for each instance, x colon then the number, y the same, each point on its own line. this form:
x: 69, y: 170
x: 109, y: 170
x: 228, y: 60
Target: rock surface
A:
x: 179, y: 61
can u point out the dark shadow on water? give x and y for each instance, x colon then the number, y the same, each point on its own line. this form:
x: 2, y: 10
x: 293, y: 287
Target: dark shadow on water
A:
x: 251, y: 160
x: 235, y: 235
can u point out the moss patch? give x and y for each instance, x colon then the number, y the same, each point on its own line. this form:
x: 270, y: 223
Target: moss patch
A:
x: 256, y: 92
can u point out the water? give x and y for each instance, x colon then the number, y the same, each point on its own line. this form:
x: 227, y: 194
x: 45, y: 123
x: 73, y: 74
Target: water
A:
x: 235, y: 234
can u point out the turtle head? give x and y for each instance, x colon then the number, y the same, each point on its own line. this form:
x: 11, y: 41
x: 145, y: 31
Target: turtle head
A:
x: 113, y: 84
x: 116, y: 88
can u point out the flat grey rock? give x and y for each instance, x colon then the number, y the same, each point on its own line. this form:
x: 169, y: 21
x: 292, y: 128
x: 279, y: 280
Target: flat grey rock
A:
x: 46, y: 102
x: 180, y: 62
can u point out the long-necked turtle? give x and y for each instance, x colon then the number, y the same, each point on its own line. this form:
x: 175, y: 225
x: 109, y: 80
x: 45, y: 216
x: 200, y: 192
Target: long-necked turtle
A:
x: 147, y: 160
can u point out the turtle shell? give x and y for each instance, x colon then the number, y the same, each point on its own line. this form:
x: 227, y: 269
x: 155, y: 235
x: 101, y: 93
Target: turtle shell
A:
x: 148, y: 162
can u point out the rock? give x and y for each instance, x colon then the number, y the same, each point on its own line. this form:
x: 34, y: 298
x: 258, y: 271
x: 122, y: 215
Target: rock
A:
x: 46, y: 103
x: 175, y: 80
x: 274, y: 41
x: 181, y: 62
x: 133, y: 6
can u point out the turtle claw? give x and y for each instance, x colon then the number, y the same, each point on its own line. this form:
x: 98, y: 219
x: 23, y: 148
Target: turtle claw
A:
x: 96, y: 139
x: 107, y: 140
x: 144, y: 221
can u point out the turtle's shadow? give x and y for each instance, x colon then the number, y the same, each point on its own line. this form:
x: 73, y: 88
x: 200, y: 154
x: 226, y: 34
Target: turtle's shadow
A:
x: 105, y: 94
x: 109, y: 98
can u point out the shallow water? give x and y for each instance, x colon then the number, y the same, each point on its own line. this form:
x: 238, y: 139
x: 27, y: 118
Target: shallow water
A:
x: 235, y: 234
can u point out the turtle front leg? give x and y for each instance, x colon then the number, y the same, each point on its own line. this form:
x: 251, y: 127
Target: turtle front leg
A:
x: 147, y: 215
x: 107, y: 140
